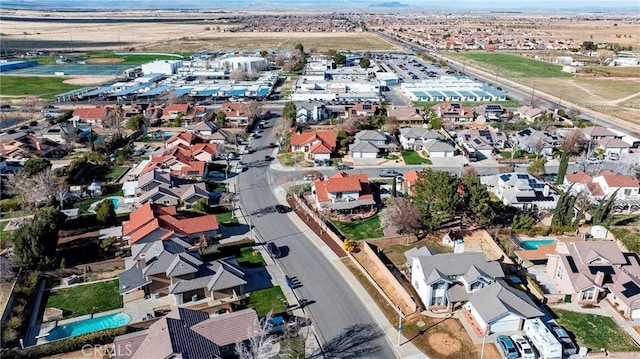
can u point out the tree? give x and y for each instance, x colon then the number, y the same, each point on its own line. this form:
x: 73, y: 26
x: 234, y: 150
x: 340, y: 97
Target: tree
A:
x: 281, y: 128
x: 253, y: 109
x: 260, y: 342
x: 537, y: 167
x: 350, y: 245
x: 523, y: 222
x: 221, y: 119
x: 114, y: 117
x: 563, y: 214
x: 71, y: 134
x: 571, y: 143
x: 106, y: 212
x: 392, y: 125
x: 239, y: 74
x: 436, y: 195
x: 589, y: 46
x: 36, y: 165
x: 435, y: 123
x: 299, y: 47
x: 35, y: 241
x: 602, y: 212
x: 476, y: 198
x: 136, y: 122
x: 290, y: 112
x: 34, y: 189
x: 339, y: 59
x: 365, y: 63
x: 401, y: 214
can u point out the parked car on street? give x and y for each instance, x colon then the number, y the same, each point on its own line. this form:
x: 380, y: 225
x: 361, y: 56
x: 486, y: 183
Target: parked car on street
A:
x: 309, y: 177
x: 523, y: 347
x: 594, y: 161
x: 282, y: 208
x: 386, y: 172
x: 507, y: 347
x: 343, y: 167
x: 273, y: 250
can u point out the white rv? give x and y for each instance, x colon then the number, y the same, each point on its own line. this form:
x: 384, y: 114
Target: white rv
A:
x: 541, y: 337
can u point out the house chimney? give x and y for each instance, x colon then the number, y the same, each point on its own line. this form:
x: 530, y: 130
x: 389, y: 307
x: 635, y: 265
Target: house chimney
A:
x: 599, y: 279
x: 38, y: 145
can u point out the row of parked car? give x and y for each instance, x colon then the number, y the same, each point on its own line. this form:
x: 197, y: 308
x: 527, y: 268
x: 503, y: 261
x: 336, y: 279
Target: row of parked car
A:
x: 517, y: 346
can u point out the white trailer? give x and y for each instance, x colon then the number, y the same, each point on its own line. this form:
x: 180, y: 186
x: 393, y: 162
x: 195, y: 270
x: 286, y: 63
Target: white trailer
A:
x: 541, y: 337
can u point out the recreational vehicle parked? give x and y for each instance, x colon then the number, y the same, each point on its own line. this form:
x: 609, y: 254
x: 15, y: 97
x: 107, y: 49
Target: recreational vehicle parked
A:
x: 541, y: 337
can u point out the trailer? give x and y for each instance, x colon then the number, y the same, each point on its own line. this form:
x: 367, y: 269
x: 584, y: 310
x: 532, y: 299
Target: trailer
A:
x: 541, y: 337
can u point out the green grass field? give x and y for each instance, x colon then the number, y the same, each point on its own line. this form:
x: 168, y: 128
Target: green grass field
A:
x: 369, y: 228
x: 267, y: 300
x: 131, y: 59
x: 596, y: 331
x: 413, y: 158
x: 87, y: 299
x: 249, y: 255
x: 506, y: 65
x: 44, y: 87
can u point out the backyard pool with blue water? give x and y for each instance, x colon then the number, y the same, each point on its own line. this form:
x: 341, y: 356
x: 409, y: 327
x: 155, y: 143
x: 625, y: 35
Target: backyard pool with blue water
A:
x: 534, y: 243
x: 88, y: 326
x: 115, y: 202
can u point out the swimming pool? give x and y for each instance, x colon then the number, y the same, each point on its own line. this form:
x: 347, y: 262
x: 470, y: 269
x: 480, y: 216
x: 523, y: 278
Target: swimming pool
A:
x: 115, y: 202
x: 534, y: 243
x: 89, y: 326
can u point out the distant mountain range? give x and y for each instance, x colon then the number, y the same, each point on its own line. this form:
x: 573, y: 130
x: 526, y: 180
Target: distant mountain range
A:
x: 324, y: 5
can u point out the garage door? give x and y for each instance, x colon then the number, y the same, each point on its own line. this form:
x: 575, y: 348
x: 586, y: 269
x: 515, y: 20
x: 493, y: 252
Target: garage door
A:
x: 505, y: 325
x: 635, y: 314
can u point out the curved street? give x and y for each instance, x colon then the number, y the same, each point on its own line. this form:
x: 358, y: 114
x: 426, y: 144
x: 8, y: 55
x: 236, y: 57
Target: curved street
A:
x: 343, y: 325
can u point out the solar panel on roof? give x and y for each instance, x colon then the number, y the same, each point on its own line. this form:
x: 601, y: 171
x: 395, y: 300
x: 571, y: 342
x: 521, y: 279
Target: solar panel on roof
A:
x: 455, y: 105
x: 494, y: 107
x: 523, y: 176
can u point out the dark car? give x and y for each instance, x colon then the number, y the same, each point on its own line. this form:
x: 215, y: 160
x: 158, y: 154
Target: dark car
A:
x: 342, y: 167
x: 268, y: 158
x: 273, y: 250
x: 282, y: 208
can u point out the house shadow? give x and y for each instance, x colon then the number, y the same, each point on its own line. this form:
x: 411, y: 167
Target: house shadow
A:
x: 353, y: 342
x: 234, y: 230
x: 257, y: 278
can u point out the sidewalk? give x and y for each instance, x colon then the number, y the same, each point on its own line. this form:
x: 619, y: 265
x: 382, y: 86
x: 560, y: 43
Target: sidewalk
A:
x: 406, y: 349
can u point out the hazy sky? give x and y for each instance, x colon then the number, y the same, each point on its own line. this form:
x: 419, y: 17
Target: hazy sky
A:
x: 585, y: 5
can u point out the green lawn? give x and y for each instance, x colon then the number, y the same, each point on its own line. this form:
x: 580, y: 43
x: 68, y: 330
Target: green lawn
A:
x: 369, y: 228
x: 115, y: 172
x: 413, y: 158
x: 86, y: 203
x: 249, y: 255
x: 87, y: 299
x: 595, y: 331
x: 293, y: 159
x: 44, y: 87
x: 507, y: 65
x: 132, y: 59
x: 267, y: 300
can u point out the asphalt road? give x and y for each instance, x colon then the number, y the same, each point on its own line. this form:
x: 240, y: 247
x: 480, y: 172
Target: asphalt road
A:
x: 344, y: 327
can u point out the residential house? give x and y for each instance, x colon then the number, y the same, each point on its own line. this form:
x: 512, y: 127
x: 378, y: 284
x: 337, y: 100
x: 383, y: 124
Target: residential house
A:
x: 521, y: 190
x: 318, y: 145
x: 454, y: 112
x: 605, y: 184
x: 174, y: 267
x: 160, y: 187
x: 407, y: 115
x: 595, y: 133
x: 413, y: 138
x: 584, y: 269
x: 90, y: 115
x: 624, y: 291
x: 343, y: 191
x: 237, y: 113
x: 185, y: 111
x: 529, y: 114
x: 185, y: 333
x: 221, y: 137
x: 363, y: 150
x: 313, y: 113
x: 481, y: 143
x: 152, y: 222
x: 611, y: 145
x: 491, y: 112
x: 204, y: 128
x: 501, y: 308
x: 60, y: 132
x: 177, y: 161
x: 20, y: 145
x: 437, y: 148
x: 409, y: 180
x: 442, y: 280
x: 184, y: 138
x: 536, y: 142
x: 361, y: 110
x: 372, y: 137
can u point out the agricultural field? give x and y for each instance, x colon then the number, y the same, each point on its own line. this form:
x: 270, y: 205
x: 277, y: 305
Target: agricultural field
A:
x: 44, y: 87
x: 320, y: 41
x: 511, y: 66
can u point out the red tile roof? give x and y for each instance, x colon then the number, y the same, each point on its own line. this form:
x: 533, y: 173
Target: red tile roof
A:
x: 578, y: 177
x: 177, y: 107
x: 188, y: 137
x: 617, y: 181
x: 328, y: 138
x: 319, y: 148
x: 90, y: 113
x: 150, y: 217
x: 204, y: 147
x: 343, y: 182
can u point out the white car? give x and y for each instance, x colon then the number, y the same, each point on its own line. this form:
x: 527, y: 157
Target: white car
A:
x: 523, y: 347
x: 594, y: 161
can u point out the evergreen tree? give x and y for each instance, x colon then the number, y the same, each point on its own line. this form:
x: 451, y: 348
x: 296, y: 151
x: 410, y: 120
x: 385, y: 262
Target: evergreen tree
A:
x: 106, y: 212
x: 562, y: 168
x: 476, y: 198
x: 35, y: 241
x: 602, y: 212
x: 436, y: 195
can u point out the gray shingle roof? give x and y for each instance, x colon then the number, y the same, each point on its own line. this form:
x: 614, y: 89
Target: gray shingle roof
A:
x: 370, y: 135
x: 131, y: 279
x: 437, y: 146
x: 364, y: 147
x: 499, y: 299
x: 446, y: 265
x: 419, y: 132
x: 228, y: 328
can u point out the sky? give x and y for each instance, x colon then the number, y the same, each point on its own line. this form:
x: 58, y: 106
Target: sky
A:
x: 515, y: 5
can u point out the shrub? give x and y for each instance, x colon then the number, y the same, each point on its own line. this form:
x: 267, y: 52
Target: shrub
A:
x: 10, y: 205
x: 350, y: 245
x: 9, y: 335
